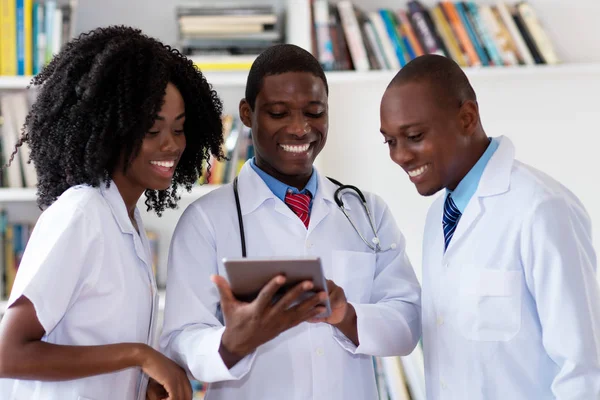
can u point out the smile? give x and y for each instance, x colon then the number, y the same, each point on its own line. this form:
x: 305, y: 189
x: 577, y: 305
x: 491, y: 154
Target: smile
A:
x: 298, y: 148
x: 165, y: 164
x: 414, y: 173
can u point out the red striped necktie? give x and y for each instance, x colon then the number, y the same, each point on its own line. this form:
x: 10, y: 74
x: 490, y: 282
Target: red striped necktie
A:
x: 299, y: 203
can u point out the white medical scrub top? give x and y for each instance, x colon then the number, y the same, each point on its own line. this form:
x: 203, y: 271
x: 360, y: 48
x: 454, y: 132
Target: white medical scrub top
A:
x: 89, y: 275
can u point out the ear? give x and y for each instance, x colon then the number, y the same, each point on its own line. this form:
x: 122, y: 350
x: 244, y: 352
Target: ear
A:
x: 469, y: 117
x: 245, y: 113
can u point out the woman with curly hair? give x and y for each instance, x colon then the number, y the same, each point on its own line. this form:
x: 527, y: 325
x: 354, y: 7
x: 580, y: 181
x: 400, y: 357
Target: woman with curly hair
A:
x: 118, y: 115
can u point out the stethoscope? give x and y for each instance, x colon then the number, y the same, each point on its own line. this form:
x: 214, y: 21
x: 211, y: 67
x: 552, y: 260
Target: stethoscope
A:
x: 374, y: 244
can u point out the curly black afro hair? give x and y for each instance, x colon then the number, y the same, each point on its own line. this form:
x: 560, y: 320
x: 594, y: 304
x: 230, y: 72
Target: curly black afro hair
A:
x: 96, y: 101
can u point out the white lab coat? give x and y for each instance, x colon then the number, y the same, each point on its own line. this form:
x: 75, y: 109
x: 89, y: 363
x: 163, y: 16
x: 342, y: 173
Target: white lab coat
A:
x: 512, y: 309
x: 89, y: 276
x: 310, y: 361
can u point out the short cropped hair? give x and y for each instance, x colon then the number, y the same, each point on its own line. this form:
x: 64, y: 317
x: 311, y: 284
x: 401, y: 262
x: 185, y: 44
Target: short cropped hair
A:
x: 280, y: 59
x: 445, y: 75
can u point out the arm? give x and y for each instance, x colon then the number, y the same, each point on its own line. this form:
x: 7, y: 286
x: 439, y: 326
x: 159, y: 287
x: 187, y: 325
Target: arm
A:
x: 33, y: 312
x: 210, y: 349
x: 193, y: 323
x: 560, y: 272
x: 390, y: 324
x: 20, y: 339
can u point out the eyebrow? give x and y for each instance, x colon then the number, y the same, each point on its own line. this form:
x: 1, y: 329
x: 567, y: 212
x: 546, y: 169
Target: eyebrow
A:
x: 158, y: 117
x: 273, y: 103
x: 405, y: 126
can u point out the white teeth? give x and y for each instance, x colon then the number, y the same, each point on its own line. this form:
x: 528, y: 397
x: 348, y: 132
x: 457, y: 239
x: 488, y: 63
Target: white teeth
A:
x: 295, y: 148
x: 416, y: 172
x: 166, y: 164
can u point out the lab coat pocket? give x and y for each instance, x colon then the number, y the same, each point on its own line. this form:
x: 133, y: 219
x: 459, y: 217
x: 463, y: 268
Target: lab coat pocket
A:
x: 354, y: 272
x: 490, y: 304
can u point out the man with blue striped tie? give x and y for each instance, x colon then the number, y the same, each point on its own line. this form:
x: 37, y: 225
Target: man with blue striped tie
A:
x: 511, y: 305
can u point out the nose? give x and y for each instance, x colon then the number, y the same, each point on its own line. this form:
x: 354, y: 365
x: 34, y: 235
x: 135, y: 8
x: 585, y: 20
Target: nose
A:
x: 402, y: 156
x: 298, y: 125
x: 173, y: 142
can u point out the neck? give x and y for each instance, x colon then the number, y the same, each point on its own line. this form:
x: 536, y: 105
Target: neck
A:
x: 130, y: 193
x: 298, y: 181
x: 476, y: 149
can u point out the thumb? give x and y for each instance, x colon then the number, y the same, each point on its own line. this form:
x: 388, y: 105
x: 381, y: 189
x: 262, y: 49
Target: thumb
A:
x: 223, y: 288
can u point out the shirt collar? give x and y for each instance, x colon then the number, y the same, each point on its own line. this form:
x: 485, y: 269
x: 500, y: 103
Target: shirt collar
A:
x: 279, y: 188
x: 117, y: 206
x: 468, y: 185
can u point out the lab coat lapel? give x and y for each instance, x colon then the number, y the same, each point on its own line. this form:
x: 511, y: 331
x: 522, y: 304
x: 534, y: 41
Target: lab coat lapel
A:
x: 472, y: 214
x: 323, y: 202
x: 119, y: 211
x: 494, y: 181
x: 253, y: 192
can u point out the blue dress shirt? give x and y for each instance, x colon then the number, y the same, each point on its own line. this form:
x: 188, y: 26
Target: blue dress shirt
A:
x: 279, y: 188
x: 468, y: 185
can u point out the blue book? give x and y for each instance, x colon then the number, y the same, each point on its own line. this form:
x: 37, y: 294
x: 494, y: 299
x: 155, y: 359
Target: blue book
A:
x: 20, y: 37
x: 460, y: 10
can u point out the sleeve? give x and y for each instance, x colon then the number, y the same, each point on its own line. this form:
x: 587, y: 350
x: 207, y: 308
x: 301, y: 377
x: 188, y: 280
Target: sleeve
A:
x: 560, y: 271
x: 390, y: 324
x: 58, y: 259
x: 192, y: 325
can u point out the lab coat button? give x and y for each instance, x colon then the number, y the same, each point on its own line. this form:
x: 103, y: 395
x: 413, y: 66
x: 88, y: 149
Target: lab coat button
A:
x: 440, y: 321
x: 443, y: 384
x: 308, y: 245
x: 320, y: 352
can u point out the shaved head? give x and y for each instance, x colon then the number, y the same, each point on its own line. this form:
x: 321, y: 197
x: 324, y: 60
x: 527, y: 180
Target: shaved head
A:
x: 443, y: 75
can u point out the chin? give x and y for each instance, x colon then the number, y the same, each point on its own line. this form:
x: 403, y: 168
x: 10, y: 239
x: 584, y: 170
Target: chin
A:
x: 427, y: 191
x: 157, y: 185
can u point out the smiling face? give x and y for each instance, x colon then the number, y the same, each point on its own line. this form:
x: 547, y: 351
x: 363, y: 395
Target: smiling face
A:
x: 161, y: 149
x: 430, y: 138
x: 289, y: 125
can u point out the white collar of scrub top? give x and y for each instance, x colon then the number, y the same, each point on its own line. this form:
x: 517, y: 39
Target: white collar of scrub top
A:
x: 119, y: 211
x: 254, y: 192
x: 495, y: 180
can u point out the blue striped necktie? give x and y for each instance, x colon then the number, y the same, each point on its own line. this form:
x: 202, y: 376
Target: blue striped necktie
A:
x: 450, y: 220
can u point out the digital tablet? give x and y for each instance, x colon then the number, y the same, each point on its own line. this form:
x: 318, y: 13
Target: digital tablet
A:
x: 247, y: 276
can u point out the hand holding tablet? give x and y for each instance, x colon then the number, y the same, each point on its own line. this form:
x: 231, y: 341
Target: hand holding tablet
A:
x: 266, y: 297
x: 247, y: 277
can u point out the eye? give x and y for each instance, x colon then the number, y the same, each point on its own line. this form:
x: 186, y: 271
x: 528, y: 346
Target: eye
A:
x: 179, y: 131
x: 415, y: 137
x: 389, y: 142
x: 152, y: 133
x: 276, y: 115
x: 315, y: 115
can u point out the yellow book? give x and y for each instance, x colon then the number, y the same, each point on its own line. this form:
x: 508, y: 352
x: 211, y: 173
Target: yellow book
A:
x: 9, y: 258
x: 8, y: 39
x: 209, y: 66
x: 447, y: 36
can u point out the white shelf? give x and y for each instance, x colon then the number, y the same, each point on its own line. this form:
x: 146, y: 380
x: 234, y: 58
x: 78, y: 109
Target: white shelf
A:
x: 14, y: 82
x: 238, y: 78
x: 13, y: 195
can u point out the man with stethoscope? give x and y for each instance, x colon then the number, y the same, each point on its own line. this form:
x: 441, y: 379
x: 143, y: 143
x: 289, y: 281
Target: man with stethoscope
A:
x: 261, y: 351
